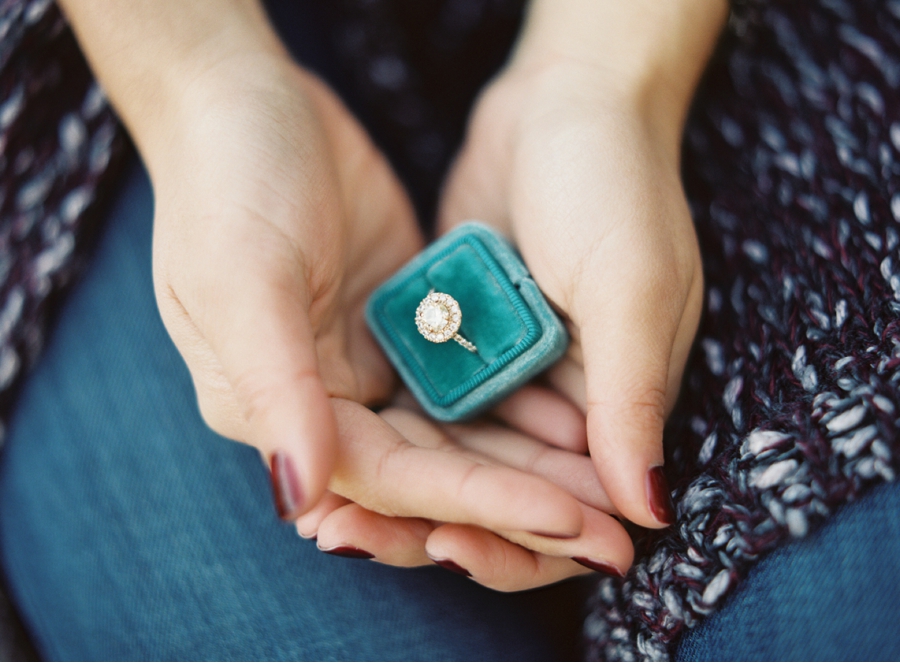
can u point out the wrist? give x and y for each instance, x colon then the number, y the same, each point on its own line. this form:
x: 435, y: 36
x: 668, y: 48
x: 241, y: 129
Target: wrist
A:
x: 152, y: 56
x: 642, y: 58
x: 202, y: 101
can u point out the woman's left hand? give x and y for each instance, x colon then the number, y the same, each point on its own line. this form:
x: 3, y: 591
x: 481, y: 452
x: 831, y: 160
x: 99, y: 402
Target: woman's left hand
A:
x: 574, y: 153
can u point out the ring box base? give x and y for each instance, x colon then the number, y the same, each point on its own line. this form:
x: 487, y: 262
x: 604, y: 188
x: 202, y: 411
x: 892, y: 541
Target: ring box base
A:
x: 504, y: 314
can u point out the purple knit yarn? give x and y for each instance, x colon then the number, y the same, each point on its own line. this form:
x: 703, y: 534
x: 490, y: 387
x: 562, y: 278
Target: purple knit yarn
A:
x: 790, y: 404
x: 58, y: 140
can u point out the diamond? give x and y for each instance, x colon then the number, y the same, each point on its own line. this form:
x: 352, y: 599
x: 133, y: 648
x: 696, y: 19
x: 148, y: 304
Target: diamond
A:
x: 438, y: 317
x: 434, y: 316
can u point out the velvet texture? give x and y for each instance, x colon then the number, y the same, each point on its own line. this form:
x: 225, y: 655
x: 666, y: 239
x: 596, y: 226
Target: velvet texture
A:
x: 503, y: 313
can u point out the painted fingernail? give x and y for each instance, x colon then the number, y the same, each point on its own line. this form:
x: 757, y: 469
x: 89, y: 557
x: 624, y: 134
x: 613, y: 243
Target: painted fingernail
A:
x: 599, y: 566
x: 349, y: 552
x: 560, y: 536
x: 660, y: 498
x: 452, y: 566
x: 285, y: 485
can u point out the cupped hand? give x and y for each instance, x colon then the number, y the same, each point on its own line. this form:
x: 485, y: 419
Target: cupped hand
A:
x: 275, y: 218
x: 586, y: 183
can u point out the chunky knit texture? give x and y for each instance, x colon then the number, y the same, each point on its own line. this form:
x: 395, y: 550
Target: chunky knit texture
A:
x: 792, y: 166
x: 58, y: 139
x: 790, y: 405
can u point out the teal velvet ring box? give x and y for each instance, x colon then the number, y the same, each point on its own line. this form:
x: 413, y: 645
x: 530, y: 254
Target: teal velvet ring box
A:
x: 501, y: 313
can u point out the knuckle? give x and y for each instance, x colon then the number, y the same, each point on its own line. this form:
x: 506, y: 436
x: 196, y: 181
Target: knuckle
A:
x: 259, y: 388
x: 468, y: 477
x: 643, y: 411
x: 388, y: 464
x: 646, y: 415
x: 218, y: 411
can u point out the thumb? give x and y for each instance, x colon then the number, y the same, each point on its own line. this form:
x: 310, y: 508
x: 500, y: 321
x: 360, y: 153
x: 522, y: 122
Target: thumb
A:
x: 634, y: 348
x: 265, y: 344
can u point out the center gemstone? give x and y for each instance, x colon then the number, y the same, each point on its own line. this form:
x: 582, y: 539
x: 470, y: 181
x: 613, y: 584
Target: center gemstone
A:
x: 434, y: 316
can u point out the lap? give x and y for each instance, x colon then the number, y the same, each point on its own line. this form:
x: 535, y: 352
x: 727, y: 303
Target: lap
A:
x: 128, y: 530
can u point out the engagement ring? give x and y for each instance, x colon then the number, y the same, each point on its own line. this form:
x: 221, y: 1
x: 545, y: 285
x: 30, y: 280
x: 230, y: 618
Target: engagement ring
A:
x: 438, y: 317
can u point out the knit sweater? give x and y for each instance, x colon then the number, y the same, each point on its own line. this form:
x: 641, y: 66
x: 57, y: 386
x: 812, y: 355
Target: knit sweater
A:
x: 791, y: 165
x: 790, y: 402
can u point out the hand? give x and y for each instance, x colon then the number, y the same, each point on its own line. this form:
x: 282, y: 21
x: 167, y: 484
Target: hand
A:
x: 574, y: 151
x: 589, y: 190
x: 492, y: 473
x: 297, y: 220
x: 275, y: 217
x: 265, y: 250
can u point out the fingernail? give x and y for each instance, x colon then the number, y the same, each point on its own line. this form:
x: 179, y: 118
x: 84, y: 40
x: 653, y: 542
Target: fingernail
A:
x: 285, y: 485
x: 599, y: 566
x: 660, y: 498
x: 561, y: 536
x: 452, y: 566
x: 349, y: 552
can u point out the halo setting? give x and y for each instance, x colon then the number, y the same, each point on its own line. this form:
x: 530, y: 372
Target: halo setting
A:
x: 438, y: 318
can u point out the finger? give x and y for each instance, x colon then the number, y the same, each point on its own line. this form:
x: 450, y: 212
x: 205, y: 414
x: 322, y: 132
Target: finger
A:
x: 603, y: 544
x: 352, y: 531
x: 382, y: 471
x: 567, y: 377
x: 494, y: 562
x: 545, y: 415
x: 572, y: 472
x: 471, y: 191
x: 308, y: 523
x: 632, y: 375
x: 483, y: 442
x: 265, y: 344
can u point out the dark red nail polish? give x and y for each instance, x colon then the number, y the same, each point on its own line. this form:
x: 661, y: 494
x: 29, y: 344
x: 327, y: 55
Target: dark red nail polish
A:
x: 599, y: 566
x: 560, y: 536
x: 349, y: 552
x: 659, y: 496
x: 452, y: 566
x: 285, y: 486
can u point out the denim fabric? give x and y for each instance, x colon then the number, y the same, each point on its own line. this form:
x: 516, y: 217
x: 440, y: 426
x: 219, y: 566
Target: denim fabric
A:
x: 832, y: 596
x: 128, y: 530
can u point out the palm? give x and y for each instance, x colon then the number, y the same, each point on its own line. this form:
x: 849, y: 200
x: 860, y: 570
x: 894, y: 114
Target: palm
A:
x: 275, y: 216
